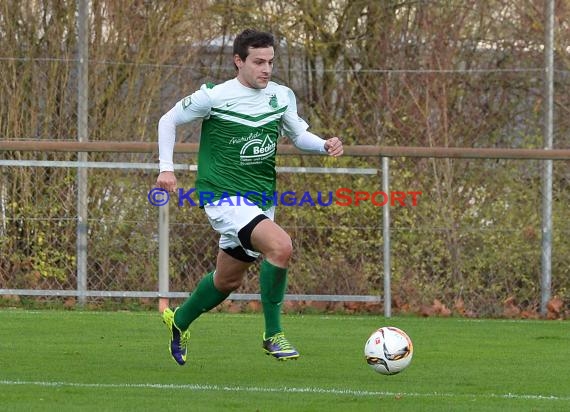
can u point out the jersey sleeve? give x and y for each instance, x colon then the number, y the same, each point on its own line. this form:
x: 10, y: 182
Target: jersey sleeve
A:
x: 193, y: 107
x: 295, y: 129
x: 292, y: 125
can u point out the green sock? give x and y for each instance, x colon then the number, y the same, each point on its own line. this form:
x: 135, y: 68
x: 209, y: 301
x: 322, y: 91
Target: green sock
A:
x: 204, y: 298
x: 272, y: 282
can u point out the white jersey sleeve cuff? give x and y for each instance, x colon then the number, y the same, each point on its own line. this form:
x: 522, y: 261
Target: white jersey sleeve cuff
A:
x: 309, y: 142
x: 166, y: 167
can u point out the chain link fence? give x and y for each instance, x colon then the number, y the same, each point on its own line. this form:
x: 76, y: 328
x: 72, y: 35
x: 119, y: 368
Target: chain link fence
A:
x: 468, y: 240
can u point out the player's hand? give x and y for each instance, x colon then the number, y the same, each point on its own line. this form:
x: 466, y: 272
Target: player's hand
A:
x: 333, y: 146
x: 166, y: 181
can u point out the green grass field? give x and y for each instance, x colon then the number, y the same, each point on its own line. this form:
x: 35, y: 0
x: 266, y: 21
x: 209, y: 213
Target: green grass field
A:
x: 119, y: 361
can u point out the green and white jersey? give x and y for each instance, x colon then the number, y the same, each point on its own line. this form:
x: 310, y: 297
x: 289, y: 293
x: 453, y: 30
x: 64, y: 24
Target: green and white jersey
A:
x: 238, y: 142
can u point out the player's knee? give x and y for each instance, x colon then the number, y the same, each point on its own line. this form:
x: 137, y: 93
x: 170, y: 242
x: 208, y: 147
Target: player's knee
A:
x: 282, y: 251
x: 228, y: 285
x: 233, y: 285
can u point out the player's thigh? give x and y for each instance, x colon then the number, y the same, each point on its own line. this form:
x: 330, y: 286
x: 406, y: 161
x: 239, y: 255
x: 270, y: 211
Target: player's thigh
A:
x: 230, y: 269
x: 268, y: 236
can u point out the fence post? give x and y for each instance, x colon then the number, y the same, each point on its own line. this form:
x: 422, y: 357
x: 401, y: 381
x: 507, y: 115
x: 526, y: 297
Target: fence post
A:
x: 82, y: 136
x: 163, y: 252
x: 546, y: 253
x: 386, y: 237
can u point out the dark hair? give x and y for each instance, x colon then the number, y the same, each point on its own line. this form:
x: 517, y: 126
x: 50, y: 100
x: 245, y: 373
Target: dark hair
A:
x: 251, y: 38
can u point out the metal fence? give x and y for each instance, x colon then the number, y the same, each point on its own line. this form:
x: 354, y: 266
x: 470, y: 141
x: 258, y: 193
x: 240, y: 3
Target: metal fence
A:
x: 491, y: 225
x: 474, y: 238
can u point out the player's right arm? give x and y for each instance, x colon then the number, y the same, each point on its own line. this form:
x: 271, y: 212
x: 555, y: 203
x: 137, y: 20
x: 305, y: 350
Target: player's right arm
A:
x: 193, y: 107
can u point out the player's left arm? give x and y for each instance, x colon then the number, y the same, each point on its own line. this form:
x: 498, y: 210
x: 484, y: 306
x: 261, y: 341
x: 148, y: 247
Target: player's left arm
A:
x: 310, y: 142
x: 295, y: 128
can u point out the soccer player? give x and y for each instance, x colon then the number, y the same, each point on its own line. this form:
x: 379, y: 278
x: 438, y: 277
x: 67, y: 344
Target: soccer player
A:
x: 242, y: 119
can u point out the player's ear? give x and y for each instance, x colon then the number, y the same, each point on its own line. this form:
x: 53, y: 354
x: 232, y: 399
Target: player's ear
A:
x: 238, y: 61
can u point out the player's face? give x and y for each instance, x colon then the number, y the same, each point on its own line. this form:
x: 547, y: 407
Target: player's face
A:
x: 255, y: 71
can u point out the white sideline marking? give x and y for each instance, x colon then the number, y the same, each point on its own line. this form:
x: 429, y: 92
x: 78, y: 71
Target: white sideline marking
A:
x: 258, y: 389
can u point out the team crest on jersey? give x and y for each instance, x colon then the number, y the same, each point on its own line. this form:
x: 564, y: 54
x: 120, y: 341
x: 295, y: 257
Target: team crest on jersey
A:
x: 256, y: 150
x: 273, y: 101
x: 187, y: 101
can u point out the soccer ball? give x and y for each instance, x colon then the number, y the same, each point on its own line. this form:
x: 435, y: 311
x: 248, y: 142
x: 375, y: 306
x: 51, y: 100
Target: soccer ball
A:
x: 388, y: 350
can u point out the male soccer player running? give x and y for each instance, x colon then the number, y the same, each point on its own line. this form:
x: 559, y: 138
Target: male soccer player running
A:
x: 242, y: 119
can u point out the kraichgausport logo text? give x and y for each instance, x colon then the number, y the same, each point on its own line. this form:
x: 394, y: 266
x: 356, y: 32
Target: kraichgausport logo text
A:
x: 340, y: 197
